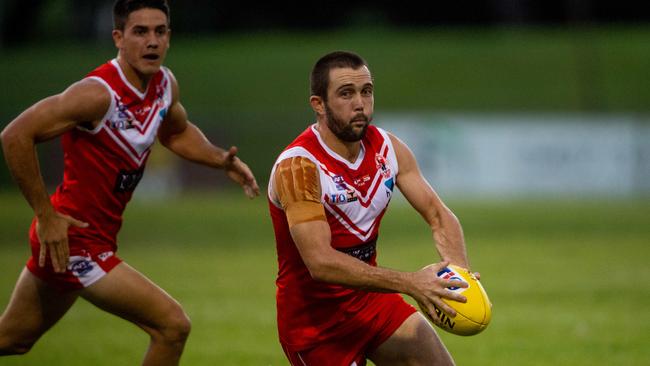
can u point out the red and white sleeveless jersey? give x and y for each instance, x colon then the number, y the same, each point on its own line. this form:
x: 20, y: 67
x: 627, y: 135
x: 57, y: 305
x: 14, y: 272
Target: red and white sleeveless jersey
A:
x: 102, y: 166
x: 355, y: 197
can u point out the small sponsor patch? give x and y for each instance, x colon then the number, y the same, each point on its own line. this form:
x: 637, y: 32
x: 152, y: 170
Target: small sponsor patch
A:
x: 390, y: 184
x: 80, y: 266
x: 127, y: 181
x: 360, y: 182
x: 104, y: 256
x: 340, y: 198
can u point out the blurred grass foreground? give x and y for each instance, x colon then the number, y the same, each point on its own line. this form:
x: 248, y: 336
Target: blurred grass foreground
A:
x: 568, y: 280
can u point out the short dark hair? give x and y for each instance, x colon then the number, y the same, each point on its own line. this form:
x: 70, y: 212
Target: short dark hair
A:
x: 122, y: 9
x: 320, y: 74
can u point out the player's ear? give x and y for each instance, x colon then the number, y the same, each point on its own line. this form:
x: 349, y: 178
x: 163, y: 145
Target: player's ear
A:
x: 317, y: 104
x: 118, y: 35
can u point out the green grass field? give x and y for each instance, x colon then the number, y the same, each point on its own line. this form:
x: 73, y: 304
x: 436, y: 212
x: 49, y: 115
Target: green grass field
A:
x: 569, y: 280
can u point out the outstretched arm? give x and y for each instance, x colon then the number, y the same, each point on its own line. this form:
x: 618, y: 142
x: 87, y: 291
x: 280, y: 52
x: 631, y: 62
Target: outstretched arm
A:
x: 296, y: 186
x: 84, y: 101
x: 186, y: 140
x: 447, y: 231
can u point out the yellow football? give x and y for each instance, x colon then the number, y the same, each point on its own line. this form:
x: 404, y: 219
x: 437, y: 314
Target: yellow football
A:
x: 471, y: 317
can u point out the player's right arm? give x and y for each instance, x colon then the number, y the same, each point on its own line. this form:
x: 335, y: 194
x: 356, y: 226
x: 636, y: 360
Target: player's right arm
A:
x: 296, y: 186
x: 83, y: 102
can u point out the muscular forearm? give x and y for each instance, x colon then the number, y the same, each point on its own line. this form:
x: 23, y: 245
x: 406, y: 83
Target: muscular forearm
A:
x: 326, y: 264
x: 449, y: 239
x: 191, y: 144
x: 342, y: 269
x: 20, y: 154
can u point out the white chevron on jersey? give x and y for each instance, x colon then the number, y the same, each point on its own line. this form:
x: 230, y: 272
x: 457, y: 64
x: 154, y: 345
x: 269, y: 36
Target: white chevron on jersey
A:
x: 366, y: 199
x: 358, y: 213
x: 137, y: 139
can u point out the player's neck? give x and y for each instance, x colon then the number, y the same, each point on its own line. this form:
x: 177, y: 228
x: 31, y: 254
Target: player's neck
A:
x: 136, y: 79
x: 347, y: 150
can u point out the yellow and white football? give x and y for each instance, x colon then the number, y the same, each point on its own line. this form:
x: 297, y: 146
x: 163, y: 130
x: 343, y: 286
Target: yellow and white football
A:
x: 471, y: 317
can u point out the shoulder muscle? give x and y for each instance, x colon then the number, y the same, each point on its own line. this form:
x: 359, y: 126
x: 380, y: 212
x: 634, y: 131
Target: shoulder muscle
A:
x: 84, y: 101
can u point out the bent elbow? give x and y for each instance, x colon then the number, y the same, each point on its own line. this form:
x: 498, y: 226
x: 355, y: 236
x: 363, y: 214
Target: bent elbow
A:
x: 318, y: 271
x: 6, y: 136
x: 10, y: 137
x: 442, y: 218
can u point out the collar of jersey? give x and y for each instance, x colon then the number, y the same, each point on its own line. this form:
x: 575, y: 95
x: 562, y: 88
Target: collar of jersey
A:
x: 332, y: 153
x: 137, y: 92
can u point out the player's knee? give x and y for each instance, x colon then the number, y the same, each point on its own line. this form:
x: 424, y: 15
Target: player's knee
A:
x: 177, y: 327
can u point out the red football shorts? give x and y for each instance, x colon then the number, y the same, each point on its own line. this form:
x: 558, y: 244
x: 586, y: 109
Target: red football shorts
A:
x: 87, y: 264
x: 351, y: 349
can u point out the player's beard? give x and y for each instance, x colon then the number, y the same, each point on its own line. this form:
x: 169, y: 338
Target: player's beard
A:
x: 344, y: 130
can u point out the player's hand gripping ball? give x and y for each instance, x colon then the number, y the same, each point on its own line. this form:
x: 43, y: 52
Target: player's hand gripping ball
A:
x: 471, y: 317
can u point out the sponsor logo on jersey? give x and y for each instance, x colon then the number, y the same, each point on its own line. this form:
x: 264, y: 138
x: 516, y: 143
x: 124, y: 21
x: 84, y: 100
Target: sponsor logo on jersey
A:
x: 364, y: 252
x: 341, y: 198
x: 80, y: 266
x: 141, y: 113
x: 390, y: 184
x: 124, y: 118
x: 360, y: 182
x: 127, y: 180
x: 104, y: 256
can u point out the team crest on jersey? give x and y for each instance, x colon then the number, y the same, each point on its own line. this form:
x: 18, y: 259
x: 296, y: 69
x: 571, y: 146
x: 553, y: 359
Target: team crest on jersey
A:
x: 382, y: 165
x: 160, y: 91
x: 160, y: 96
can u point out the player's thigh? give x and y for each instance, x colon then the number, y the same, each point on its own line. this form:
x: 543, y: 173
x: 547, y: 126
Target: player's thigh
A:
x: 413, y: 343
x: 33, y: 308
x: 127, y: 293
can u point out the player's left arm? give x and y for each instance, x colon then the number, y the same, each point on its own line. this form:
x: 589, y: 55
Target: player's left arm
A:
x: 186, y: 140
x: 447, y: 231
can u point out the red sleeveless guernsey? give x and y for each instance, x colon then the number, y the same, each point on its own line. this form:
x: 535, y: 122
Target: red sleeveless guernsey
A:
x: 355, y: 197
x: 103, y: 166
